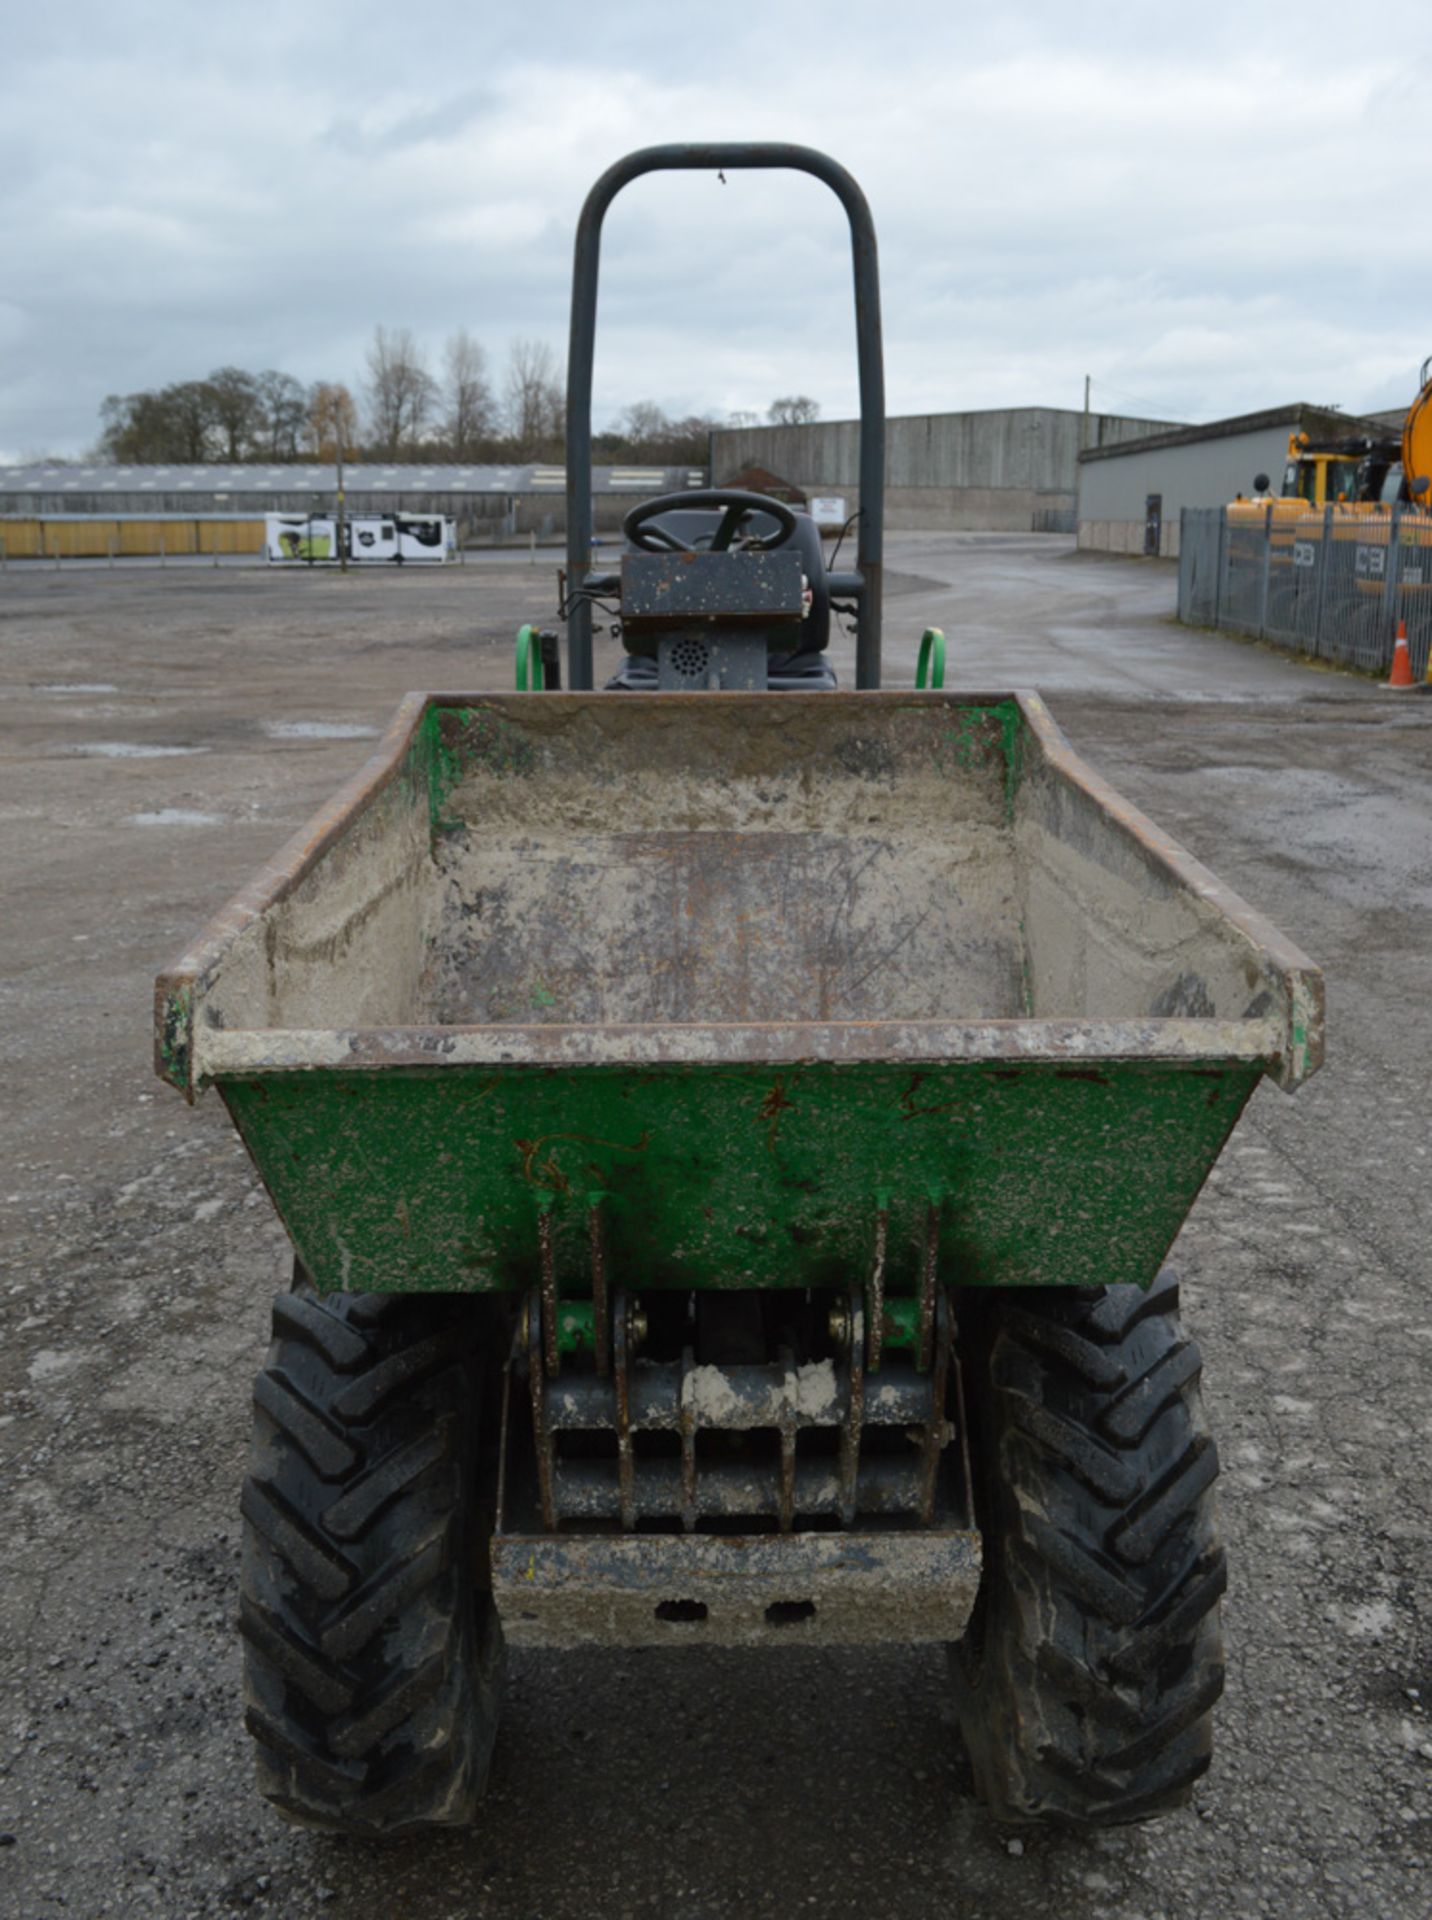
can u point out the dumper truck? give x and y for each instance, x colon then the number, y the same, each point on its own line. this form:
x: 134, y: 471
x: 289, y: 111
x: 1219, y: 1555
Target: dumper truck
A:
x: 730, y: 1129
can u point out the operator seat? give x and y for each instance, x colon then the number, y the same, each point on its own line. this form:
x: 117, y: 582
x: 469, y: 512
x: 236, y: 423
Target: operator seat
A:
x: 805, y: 669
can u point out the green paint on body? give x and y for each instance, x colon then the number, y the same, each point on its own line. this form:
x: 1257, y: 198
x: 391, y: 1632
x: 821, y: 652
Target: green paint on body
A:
x: 737, y: 1176
x: 172, y: 1034
x: 576, y: 1331
x: 453, y: 741
x: 900, y: 1325
x: 442, y: 761
x: 979, y: 731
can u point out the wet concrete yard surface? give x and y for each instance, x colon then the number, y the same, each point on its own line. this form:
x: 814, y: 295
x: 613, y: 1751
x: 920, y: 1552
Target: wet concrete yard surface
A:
x: 164, y: 733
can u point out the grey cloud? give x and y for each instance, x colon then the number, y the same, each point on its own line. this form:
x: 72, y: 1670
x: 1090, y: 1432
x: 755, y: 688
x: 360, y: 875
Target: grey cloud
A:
x: 445, y: 121
x: 1207, y: 215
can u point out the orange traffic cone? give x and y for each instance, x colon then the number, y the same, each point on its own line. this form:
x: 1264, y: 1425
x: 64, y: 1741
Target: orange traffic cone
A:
x: 1401, y: 680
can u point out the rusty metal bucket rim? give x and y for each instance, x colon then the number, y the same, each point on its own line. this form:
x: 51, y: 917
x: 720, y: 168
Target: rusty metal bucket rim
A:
x: 226, y: 1053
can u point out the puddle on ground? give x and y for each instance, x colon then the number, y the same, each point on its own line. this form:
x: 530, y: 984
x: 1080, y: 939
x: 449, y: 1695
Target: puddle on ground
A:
x: 319, y: 730
x: 131, y: 750
x: 176, y: 817
x: 76, y: 686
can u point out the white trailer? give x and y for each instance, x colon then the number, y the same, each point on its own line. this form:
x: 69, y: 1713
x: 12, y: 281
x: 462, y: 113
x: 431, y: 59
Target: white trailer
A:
x: 307, y: 540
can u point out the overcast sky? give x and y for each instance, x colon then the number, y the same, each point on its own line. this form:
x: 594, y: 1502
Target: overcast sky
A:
x: 1210, y: 208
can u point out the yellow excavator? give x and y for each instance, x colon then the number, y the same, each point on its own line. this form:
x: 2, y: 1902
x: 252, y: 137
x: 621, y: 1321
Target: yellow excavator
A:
x: 1321, y: 473
x: 1355, y: 490
x: 1408, y: 478
x: 1354, y: 473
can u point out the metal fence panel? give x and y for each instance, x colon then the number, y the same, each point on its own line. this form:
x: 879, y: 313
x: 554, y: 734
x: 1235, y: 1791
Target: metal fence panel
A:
x: 1199, y: 537
x: 1333, y: 584
x: 1243, y: 583
x: 1297, y: 582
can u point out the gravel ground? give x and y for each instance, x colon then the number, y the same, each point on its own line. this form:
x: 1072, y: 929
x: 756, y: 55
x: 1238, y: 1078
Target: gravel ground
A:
x: 163, y: 734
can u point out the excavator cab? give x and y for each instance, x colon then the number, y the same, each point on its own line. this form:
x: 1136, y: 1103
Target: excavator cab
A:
x: 1321, y: 474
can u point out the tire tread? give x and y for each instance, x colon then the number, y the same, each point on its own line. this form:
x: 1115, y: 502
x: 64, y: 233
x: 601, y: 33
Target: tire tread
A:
x: 372, y: 1653
x: 1086, y: 1684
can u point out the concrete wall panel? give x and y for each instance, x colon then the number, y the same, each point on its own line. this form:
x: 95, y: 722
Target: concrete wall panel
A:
x: 1203, y: 473
x: 989, y: 470
x: 1126, y: 536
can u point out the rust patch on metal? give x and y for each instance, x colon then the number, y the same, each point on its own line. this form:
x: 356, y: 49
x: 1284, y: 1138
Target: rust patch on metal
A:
x: 548, y: 1174
x: 547, y: 1259
x: 937, y: 1430
x: 929, y: 1274
x: 776, y: 1103
x: 875, y: 1290
x: 542, y: 1439
x: 854, y: 1420
x: 597, y: 1254
x: 621, y: 1373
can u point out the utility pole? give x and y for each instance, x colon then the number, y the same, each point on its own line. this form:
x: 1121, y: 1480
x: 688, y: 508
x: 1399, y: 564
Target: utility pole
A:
x: 1084, y: 441
x: 338, y: 455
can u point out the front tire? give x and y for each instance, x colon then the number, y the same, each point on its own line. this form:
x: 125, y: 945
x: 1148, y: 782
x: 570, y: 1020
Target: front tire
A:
x: 373, y: 1654
x: 1085, y: 1682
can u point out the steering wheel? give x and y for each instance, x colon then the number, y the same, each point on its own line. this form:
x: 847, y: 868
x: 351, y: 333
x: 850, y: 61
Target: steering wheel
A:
x: 735, y: 508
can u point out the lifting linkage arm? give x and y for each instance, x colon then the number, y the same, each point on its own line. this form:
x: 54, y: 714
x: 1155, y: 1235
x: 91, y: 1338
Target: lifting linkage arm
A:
x: 868, y: 349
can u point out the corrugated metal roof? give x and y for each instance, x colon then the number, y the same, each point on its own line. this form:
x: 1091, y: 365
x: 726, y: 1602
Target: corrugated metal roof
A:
x: 1300, y: 415
x: 265, y: 477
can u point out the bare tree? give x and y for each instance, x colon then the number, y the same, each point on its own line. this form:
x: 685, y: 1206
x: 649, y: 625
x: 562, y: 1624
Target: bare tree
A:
x: 191, y: 408
x: 283, y: 408
x: 647, y: 432
x: 793, y: 410
x: 470, y: 407
x: 690, y: 442
x: 234, y: 406
x: 233, y: 415
x: 332, y: 419
x: 644, y: 424
x: 401, y: 391
x: 136, y: 428
x: 536, y: 409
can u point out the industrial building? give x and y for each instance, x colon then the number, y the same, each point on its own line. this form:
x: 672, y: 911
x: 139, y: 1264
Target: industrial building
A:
x: 58, y: 510
x: 1120, y: 480
x: 1131, y: 494
x: 1011, y: 469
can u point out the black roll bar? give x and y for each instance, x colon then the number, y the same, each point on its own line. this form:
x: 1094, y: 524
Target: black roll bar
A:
x: 582, y: 347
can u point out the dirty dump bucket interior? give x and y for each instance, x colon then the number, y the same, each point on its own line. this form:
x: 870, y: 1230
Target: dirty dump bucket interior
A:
x: 719, y: 866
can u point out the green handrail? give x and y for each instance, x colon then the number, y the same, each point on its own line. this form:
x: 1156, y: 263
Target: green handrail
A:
x: 931, y: 661
x: 529, y: 661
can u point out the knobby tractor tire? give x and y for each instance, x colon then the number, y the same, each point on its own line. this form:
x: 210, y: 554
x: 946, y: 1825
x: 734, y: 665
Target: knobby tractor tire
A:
x: 373, y: 1653
x: 1086, y: 1680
